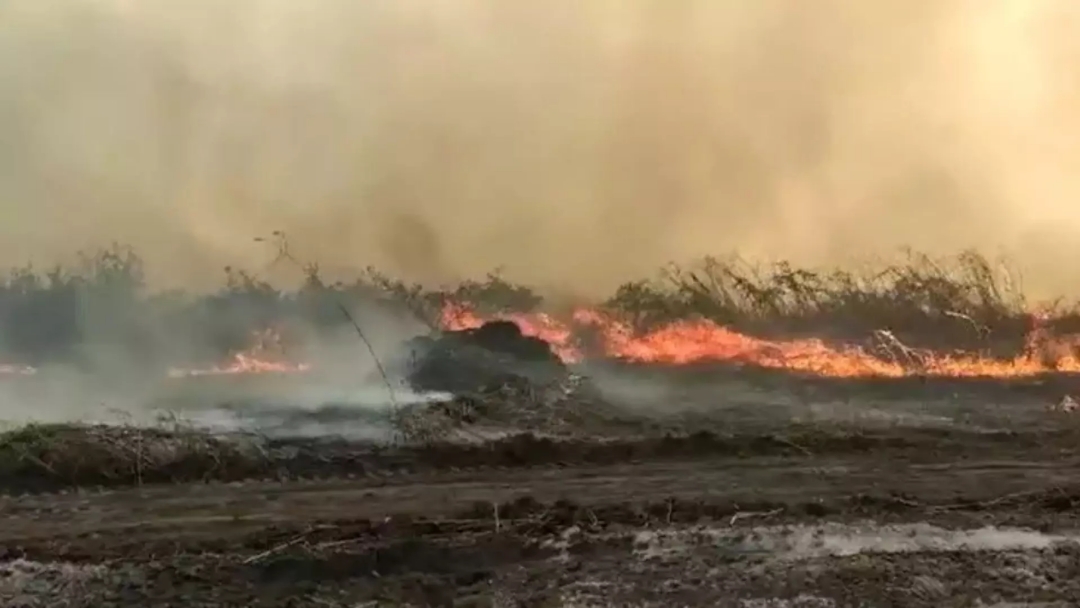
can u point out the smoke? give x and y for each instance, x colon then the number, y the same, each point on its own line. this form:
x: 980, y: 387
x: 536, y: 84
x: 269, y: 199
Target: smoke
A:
x: 345, y: 392
x: 575, y: 144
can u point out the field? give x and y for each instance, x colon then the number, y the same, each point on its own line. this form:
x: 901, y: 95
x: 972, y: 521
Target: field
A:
x: 903, y: 437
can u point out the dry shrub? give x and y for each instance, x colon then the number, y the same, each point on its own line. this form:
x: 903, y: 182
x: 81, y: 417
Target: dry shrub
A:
x: 963, y: 302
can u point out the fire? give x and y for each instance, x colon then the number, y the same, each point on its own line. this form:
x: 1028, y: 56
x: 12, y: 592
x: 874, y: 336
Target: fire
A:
x: 560, y: 336
x: 693, y: 341
x: 265, y: 357
x: 241, y: 363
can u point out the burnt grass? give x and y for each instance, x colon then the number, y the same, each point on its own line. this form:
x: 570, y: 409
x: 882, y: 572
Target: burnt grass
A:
x: 456, y: 560
x: 50, y: 458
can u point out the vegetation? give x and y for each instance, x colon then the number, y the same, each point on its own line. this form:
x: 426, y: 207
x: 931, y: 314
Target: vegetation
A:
x: 963, y: 302
x: 50, y: 456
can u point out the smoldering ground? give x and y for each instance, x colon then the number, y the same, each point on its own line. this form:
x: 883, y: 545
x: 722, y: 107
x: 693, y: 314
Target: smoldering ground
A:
x: 577, y: 145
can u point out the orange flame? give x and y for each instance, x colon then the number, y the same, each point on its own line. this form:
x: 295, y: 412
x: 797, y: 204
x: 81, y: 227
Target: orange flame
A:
x: 692, y: 341
x: 242, y: 364
x: 265, y: 357
x: 456, y: 317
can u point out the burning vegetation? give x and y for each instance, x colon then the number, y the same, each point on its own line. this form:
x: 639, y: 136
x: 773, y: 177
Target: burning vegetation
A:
x: 701, y: 340
x: 960, y: 317
x: 266, y: 356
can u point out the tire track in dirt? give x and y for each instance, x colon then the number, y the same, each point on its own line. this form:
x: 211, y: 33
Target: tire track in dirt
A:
x: 191, y: 513
x: 83, y: 458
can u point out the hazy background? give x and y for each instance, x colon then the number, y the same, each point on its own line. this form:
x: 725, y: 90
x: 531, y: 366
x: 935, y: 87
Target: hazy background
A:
x: 577, y: 144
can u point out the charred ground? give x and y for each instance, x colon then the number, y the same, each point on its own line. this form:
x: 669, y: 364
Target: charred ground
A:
x: 109, y: 516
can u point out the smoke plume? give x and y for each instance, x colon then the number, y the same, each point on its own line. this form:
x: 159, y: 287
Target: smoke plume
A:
x: 576, y: 144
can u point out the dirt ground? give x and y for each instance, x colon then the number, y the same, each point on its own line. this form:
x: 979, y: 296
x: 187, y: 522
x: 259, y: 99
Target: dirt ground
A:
x: 715, y: 490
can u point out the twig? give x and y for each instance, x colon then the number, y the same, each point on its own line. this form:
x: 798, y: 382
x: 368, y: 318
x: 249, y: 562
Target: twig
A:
x: 979, y: 328
x: 748, y: 514
x: 283, y: 253
x: 790, y: 443
x: 25, y: 453
x: 905, y: 501
x: 889, y: 341
x: 371, y: 349
x: 988, y: 503
x: 498, y: 524
x: 276, y: 549
x: 592, y: 516
x: 338, y: 543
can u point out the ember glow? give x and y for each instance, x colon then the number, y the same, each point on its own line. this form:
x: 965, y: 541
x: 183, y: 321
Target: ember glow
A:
x: 686, y: 342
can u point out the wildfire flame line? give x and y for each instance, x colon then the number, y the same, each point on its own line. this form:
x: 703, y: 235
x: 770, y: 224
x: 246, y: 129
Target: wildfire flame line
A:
x: 691, y: 341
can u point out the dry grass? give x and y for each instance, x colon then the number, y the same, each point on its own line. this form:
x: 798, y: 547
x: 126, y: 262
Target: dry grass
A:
x: 46, y: 456
x: 565, y: 407
x: 964, y: 302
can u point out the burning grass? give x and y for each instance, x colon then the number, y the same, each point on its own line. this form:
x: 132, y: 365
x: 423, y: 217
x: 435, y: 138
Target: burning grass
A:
x: 892, y: 318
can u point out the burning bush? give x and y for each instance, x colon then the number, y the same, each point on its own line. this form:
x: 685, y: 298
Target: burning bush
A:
x: 480, y: 359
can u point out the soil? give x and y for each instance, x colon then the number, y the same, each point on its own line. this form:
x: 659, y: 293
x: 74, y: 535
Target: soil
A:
x: 798, y: 494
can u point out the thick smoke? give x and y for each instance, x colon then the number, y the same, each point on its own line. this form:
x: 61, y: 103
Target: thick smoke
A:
x: 576, y: 144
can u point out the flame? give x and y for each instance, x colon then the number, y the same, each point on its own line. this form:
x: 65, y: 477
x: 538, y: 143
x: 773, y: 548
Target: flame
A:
x: 456, y: 317
x: 265, y: 357
x: 242, y: 364
x: 692, y: 341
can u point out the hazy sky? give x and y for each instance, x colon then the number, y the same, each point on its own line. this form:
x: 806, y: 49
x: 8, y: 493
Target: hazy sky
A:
x: 575, y: 143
